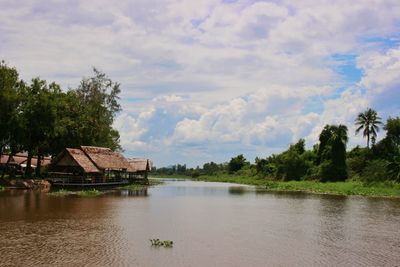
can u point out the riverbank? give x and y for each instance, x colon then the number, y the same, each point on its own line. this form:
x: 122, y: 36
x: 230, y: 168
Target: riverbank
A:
x: 347, y: 188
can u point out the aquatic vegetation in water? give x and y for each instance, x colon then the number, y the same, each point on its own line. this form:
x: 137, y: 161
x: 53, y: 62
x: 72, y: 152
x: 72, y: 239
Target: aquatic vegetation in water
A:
x: 152, y: 182
x: 158, y: 243
x: 89, y: 193
x: 1, y: 188
x: 60, y: 193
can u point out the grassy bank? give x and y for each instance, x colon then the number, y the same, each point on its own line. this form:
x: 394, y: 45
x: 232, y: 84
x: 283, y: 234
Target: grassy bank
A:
x: 335, y: 188
x: 1, y: 188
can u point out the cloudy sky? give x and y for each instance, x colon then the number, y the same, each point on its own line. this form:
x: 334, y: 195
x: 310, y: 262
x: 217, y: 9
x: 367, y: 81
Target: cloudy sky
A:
x: 206, y: 80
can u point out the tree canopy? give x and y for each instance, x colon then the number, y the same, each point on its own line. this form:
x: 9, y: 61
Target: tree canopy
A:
x: 42, y: 119
x: 369, y: 122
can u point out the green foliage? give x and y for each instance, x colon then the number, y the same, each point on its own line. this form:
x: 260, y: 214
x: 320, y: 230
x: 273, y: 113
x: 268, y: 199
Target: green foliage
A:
x: 389, y: 147
x: 10, y: 85
x: 368, y: 121
x: 237, y: 163
x: 392, y: 128
x: 152, y: 182
x: 89, y: 193
x: 294, y: 163
x: 158, y: 243
x: 337, y: 188
x: 393, y: 168
x: 375, y: 171
x: 195, y: 174
x: 42, y: 120
x: 60, y: 193
x: 210, y: 168
x: 97, y: 98
x: 332, y: 153
x: 357, y: 159
x: 382, y: 189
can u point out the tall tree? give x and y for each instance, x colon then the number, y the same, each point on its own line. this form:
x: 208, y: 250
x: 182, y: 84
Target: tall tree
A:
x: 38, y: 116
x: 369, y: 121
x: 98, y: 103
x: 392, y: 128
x: 332, y: 153
x: 237, y: 163
x: 9, y: 101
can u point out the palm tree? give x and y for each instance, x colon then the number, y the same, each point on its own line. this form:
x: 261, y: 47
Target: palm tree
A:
x: 369, y: 121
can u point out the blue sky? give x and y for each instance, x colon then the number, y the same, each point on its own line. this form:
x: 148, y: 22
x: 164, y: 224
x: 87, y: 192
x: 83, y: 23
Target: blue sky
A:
x: 206, y: 80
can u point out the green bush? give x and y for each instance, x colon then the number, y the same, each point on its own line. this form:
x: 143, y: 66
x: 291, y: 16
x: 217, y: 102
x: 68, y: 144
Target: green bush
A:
x: 375, y: 171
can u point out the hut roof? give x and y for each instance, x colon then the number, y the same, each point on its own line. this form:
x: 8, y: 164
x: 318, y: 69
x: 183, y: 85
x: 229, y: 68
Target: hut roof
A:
x: 105, y: 158
x: 4, y: 159
x: 22, y: 158
x: 138, y: 164
x: 82, y: 160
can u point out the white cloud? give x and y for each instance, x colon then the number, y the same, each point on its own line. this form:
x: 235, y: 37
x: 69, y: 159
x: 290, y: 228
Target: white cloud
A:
x: 381, y: 70
x: 247, y: 74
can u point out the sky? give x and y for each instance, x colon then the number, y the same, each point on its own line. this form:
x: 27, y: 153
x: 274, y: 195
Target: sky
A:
x: 207, y: 80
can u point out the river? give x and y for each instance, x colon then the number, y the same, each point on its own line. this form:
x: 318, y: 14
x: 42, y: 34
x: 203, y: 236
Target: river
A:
x: 211, y: 224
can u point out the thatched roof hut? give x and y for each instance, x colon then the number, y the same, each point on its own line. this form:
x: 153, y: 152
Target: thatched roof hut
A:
x: 20, y: 159
x: 140, y: 164
x: 72, y: 157
x: 95, y: 165
x: 91, y: 159
x: 105, y: 158
x: 4, y: 160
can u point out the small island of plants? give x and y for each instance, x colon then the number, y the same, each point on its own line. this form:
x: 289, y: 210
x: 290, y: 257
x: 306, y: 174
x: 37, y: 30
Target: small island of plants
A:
x: 82, y: 193
x: 158, y: 243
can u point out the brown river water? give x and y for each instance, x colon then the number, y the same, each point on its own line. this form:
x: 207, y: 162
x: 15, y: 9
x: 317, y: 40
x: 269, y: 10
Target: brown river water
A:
x: 211, y: 224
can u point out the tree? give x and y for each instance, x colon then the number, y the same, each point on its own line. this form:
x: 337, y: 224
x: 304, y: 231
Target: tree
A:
x: 299, y: 147
x: 9, y: 101
x: 392, y: 128
x: 369, y: 121
x: 389, y: 146
x: 237, y: 163
x: 393, y: 168
x: 38, y: 115
x: 210, y: 168
x: 98, y: 104
x: 332, y: 153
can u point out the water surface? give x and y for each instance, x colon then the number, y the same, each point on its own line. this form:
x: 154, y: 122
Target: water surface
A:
x: 211, y: 224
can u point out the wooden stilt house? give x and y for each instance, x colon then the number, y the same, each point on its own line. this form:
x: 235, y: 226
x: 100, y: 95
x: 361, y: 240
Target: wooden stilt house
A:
x: 90, y: 165
x: 140, y: 167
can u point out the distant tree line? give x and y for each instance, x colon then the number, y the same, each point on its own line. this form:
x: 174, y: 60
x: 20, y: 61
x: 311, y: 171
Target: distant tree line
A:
x: 41, y: 119
x: 327, y: 161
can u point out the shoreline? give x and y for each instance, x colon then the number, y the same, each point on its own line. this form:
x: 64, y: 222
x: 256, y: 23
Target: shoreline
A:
x: 348, y: 188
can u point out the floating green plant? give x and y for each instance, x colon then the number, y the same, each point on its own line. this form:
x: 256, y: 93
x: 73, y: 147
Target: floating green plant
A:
x: 158, y: 243
x: 89, y: 193
x: 151, y: 182
x: 60, y: 193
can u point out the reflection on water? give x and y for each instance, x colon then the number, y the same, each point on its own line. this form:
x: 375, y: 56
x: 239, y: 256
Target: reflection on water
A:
x: 237, y: 190
x: 130, y: 193
x: 211, y: 224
